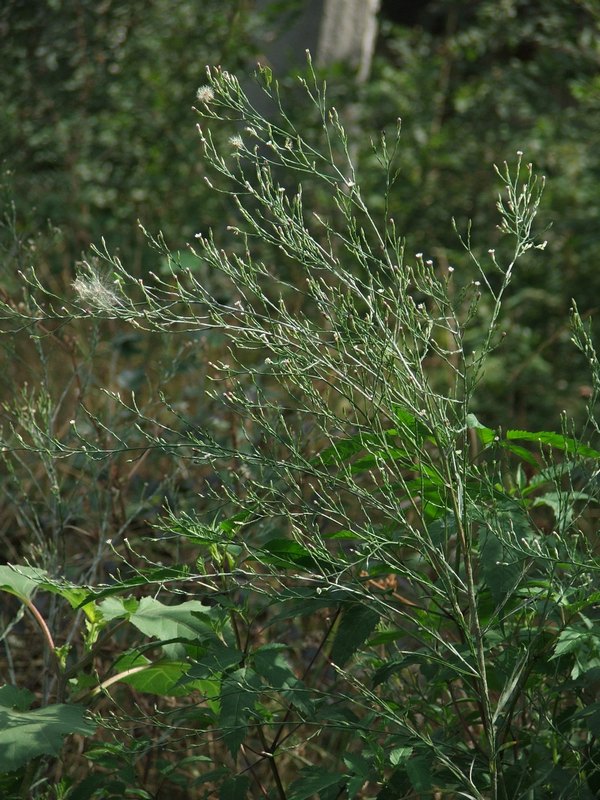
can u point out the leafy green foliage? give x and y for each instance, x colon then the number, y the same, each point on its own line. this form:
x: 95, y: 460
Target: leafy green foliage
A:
x: 24, y: 735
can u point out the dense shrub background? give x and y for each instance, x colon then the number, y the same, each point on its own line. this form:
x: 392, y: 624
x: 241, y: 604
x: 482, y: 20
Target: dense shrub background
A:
x: 98, y: 132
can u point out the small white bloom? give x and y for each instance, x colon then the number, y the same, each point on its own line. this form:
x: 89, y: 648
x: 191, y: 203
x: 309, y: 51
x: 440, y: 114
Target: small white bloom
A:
x: 93, y: 289
x: 236, y: 141
x: 205, y: 95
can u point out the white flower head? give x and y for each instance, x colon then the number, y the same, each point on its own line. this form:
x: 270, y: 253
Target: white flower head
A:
x: 94, y: 290
x: 236, y: 141
x: 205, y: 95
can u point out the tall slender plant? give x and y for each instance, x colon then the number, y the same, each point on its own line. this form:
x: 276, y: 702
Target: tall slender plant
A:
x: 397, y: 600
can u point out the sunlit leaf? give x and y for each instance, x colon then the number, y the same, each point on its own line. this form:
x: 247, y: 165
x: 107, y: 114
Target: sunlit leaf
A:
x: 24, y: 735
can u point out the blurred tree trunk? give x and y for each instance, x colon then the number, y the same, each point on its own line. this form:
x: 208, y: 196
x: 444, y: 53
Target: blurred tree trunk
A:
x: 333, y: 30
x: 347, y: 34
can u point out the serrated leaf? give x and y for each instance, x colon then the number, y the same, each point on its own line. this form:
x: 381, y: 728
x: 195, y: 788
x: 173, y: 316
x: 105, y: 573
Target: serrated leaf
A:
x: 522, y: 453
x: 235, y: 788
x: 25, y: 735
x: 13, y: 697
x: 390, y: 668
x: 373, y: 459
x: 272, y: 666
x: 216, y: 658
x: 574, y: 608
x: 399, y: 755
x: 344, y: 535
x: 357, y: 623
x: 556, y: 440
x: 561, y: 504
x: 21, y: 581
x: 313, y: 780
x: 161, y: 677
x: 239, y: 694
x: 287, y: 553
x: 418, y: 769
x: 573, y: 639
x: 157, y: 575
x: 340, y: 451
x: 117, y: 607
x: 361, y: 769
x: 188, y: 620
x: 498, y: 566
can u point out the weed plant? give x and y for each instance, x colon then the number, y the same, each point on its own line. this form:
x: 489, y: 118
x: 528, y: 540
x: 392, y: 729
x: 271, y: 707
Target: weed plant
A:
x: 380, y: 595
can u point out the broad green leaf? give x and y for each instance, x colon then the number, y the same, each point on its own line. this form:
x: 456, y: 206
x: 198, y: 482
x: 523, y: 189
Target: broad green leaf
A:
x: 156, y: 575
x: 561, y: 504
x: 573, y: 639
x: 117, y: 607
x: 591, y: 599
x: 399, y: 755
x: 344, y: 535
x: 159, y: 677
x: 473, y: 423
x: 396, y: 786
x: 272, y: 666
x: 394, y: 666
x: 407, y: 422
x: 300, y: 601
x: 343, y: 450
x: 356, y: 625
x: 362, y: 770
x: 235, y: 788
x: 418, y: 769
x: 339, y: 452
x: 499, y: 567
x: 232, y: 524
x: 239, y: 695
x: 13, y: 697
x: 92, y: 784
x: 216, y: 658
x: 314, y: 780
x: 557, y: 440
x: 591, y: 718
x: 522, y: 453
x: 21, y: 581
x: 373, y: 459
x: 286, y: 553
x: 188, y: 620
x: 25, y: 735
